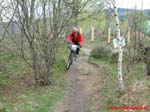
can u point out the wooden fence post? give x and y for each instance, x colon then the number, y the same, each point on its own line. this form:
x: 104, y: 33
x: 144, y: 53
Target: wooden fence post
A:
x: 128, y: 38
x: 92, y: 34
x: 109, y: 35
x: 80, y: 30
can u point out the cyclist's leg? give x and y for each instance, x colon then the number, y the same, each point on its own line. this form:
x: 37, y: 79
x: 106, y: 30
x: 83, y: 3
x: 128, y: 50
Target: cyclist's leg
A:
x: 76, y: 54
x: 69, y: 55
x: 77, y: 51
x: 70, y: 58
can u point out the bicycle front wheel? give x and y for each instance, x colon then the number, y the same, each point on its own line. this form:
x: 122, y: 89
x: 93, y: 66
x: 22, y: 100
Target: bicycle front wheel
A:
x: 70, y: 60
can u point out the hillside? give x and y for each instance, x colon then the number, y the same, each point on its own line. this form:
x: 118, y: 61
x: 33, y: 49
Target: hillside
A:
x: 123, y: 12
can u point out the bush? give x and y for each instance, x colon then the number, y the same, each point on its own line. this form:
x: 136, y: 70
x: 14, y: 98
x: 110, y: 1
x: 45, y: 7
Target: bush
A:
x: 100, y: 52
x: 115, y: 55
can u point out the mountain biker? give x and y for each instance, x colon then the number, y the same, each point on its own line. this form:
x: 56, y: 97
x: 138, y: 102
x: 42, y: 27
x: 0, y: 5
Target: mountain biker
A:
x: 75, y: 37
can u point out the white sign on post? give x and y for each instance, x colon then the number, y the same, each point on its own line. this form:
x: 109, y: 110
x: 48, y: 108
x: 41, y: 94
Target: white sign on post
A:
x: 116, y: 42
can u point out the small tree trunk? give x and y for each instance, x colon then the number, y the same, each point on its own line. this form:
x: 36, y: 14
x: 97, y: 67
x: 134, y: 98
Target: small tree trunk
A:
x: 47, y: 74
x: 35, y: 64
x: 147, y: 52
x: 121, y: 84
x: 48, y: 67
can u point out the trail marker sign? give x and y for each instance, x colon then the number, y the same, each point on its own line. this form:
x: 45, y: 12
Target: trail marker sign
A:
x: 116, y: 42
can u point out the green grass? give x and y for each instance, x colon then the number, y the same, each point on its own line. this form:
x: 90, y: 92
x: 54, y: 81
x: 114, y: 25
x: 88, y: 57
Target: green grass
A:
x: 110, y: 89
x: 42, y: 99
x: 11, y: 66
x: 109, y: 93
x: 36, y: 101
x: 98, y: 41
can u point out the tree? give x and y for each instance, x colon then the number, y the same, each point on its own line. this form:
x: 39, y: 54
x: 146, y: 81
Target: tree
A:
x: 120, y: 78
x: 41, y: 26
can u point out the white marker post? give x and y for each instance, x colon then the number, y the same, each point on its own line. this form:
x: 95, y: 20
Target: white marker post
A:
x: 92, y: 34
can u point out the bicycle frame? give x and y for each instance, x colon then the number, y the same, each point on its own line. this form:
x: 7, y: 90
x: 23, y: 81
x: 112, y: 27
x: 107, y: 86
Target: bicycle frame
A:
x: 71, y: 57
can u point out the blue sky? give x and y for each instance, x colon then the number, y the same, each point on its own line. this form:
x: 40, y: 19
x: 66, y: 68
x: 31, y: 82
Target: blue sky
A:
x: 133, y: 3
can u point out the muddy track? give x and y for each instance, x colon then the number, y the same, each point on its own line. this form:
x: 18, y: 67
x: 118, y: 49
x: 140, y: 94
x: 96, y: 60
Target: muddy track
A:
x: 81, y: 86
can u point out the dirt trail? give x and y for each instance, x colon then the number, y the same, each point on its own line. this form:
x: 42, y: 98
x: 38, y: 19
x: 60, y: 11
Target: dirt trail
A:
x: 83, y: 86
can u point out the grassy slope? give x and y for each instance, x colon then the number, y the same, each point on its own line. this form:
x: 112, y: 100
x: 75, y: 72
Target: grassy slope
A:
x: 30, y: 99
x: 136, y: 84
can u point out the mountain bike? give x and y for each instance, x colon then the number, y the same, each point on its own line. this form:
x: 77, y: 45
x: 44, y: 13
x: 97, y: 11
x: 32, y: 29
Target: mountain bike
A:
x: 72, y: 56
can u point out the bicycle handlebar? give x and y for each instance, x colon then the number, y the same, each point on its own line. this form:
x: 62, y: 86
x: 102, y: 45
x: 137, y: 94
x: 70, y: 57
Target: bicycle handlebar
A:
x: 74, y: 47
x: 77, y: 46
